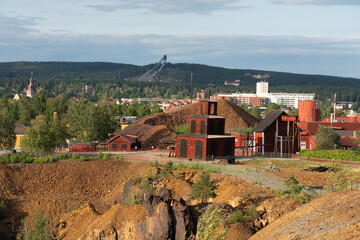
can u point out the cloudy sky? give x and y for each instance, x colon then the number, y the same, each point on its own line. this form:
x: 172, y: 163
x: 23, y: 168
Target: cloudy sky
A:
x: 302, y: 36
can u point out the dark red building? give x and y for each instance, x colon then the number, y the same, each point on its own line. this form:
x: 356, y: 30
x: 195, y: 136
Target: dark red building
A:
x: 206, y: 138
x: 82, y: 147
x: 277, y: 133
x: 121, y: 142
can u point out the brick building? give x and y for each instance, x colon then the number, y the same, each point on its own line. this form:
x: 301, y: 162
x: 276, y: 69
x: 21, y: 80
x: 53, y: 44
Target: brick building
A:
x: 206, y: 138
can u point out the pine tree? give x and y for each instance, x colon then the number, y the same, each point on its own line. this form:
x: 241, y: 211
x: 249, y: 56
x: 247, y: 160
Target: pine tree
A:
x: 203, y: 188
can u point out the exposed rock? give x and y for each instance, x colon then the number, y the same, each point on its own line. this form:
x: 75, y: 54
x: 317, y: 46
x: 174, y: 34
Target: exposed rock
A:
x: 151, y: 202
x: 183, y: 221
x: 158, y: 226
x: 164, y: 194
x: 128, y: 190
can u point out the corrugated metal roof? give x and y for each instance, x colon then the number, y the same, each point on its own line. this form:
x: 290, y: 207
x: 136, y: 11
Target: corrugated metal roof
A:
x: 268, y: 120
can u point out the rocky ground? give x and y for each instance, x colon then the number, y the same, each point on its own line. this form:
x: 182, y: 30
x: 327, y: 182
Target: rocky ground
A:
x: 100, y: 199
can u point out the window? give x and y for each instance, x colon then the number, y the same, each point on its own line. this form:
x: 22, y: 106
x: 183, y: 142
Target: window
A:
x: 114, y: 146
x: 202, y: 127
x: 193, y: 124
x: 124, y: 146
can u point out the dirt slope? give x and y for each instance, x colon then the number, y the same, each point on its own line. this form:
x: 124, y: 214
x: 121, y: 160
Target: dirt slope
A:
x: 154, y: 127
x: 335, y: 216
x: 62, y: 186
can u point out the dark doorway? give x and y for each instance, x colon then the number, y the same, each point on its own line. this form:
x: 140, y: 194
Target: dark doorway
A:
x: 198, y: 149
x: 227, y: 148
x: 213, y: 148
x: 183, y: 148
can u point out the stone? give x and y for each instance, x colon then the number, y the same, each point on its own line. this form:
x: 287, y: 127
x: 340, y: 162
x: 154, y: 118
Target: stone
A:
x: 164, y: 194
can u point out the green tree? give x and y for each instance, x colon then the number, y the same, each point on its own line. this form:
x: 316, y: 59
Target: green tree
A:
x: 7, y: 127
x: 255, y: 111
x: 40, y: 229
x: 157, y: 109
x: 270, y: 107
x: 40, y: 137
x: 203, y: 188
x: 327, y: 138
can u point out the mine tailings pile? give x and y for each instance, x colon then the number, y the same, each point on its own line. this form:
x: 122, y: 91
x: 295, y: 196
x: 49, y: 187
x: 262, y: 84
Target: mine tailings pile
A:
x: 154, y: 127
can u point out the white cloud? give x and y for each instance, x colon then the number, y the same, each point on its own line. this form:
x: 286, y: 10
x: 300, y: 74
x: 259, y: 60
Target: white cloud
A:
x: 320, y: 2
x: 171, y: 6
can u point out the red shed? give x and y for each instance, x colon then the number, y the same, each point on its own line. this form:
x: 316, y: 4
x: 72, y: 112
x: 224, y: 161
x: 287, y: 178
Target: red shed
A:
x: 121, y: 142
x: 82, y: 147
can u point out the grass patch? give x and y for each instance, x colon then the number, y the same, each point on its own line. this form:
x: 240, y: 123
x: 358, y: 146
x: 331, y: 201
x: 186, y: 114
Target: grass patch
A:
x: 237, y: 216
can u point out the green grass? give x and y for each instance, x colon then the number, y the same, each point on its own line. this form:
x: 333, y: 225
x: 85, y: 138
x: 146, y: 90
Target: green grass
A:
x: 345, y: 155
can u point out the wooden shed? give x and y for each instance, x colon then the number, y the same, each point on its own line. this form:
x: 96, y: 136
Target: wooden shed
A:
x: 121, y: 142
x: 82, y: 147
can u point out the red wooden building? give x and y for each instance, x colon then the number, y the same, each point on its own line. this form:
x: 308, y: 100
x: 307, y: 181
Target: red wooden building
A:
x: 121, y: 142
x: 206, y: 139
x: 82, y: 147
x: 277, y: 133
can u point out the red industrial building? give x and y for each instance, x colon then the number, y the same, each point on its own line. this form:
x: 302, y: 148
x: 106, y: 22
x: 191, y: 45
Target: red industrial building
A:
x: 121, y: 142
x: 206, y: 139
x: 282, y: 135
x: 277, y: 133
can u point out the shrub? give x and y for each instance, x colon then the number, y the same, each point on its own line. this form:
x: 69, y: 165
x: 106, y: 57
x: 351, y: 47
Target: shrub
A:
x: 236, y: 216
x: 251, y: 212
x: 182, y: 129
x: 136, y: 180
x: 106, y: 156
x: 119, y: 158
x: 100, y: 156
x: 82, y: 159
x: 209, y: 225
x: 3, y: 210
x: 340, y: 180
x: 146, y: 186
x: 293, y: 185
x: 74, y: 156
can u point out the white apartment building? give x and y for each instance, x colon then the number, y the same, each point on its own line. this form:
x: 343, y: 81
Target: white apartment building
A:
x: 262, y: 88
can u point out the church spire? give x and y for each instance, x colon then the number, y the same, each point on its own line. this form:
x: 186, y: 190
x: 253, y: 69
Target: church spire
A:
x: 31, y: 79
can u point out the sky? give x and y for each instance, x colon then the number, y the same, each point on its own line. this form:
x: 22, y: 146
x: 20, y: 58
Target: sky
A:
x: 299, y: 36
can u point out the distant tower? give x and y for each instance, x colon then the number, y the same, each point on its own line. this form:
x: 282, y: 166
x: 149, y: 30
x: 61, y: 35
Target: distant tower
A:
x: 262, y: 88
x: 30, y: 89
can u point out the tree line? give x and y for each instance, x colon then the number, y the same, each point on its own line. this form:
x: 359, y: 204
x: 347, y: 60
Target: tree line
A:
x: 51, y: 121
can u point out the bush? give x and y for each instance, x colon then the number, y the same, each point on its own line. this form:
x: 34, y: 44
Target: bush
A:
x: 40, y: 229
x: 251, y: 212
x: 119, y: 158
x: 74, y: 156
x: 106, y: 156
x: 236, y: 216
x: 100, y: 156
x: 146, y: 186
x: 340, y: 180
x: 3, y: 210
x: 209, y: 225
x: 293, y: 185
x: 47, y: 159
x: 82, y: 159
x: 346, y: 155
x: 182, y: 129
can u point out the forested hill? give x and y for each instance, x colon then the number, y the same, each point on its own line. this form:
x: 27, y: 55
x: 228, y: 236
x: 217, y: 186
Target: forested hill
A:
x: 176, y: 72
x: 49, y: 75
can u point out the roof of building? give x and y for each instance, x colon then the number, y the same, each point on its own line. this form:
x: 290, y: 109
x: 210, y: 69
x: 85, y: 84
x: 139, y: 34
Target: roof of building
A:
x: 167, y: 140
x: 206, y: 136
x: 345, y: 133
x: 129, y: 138
x: 207, y: 116
x: 268, y: 120
x: 20, y: 129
